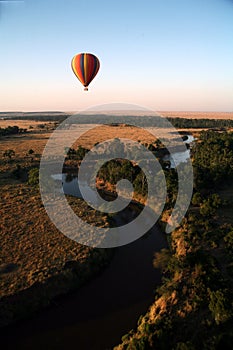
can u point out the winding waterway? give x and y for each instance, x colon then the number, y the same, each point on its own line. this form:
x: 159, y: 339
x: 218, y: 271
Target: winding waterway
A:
x: 179, y: 157
x: 102, y: 311
x: 97, y: 315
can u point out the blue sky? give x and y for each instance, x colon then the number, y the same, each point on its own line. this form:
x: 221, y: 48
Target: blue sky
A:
x: 161, y: 54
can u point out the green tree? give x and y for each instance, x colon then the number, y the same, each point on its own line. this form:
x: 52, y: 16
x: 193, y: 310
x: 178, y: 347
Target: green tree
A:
x: 228, y: 239
x: 33, y: 177
x: 215, y: 200
x: 9, y: 153
x: 81, y: 152
x: 30, y: 151
x: 197, y: 199
x: 206, y: 209
x: 219, y: 306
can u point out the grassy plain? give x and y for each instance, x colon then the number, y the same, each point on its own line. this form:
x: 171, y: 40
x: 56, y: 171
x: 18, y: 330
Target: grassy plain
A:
x: 198, y: 115
x: 32, y: 249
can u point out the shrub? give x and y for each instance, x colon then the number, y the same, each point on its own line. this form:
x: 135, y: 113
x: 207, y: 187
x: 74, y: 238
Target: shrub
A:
x: 219, y: 306
x: 9, y: 153
x: 33, y: 177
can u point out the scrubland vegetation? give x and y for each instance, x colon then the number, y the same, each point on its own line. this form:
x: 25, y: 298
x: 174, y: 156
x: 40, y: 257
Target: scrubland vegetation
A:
x: 37, y: 262
x: 193, y: 305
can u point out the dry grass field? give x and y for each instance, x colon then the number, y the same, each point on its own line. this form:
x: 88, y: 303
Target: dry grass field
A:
x: 105, y: 132
x: 32, y: 249
x: 198, y: 115
x: 24, y: 124
x: 21, y: 144
x: 29, y: 241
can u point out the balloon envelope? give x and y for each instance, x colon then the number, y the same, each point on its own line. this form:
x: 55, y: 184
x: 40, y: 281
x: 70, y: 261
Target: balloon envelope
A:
x: 85, y: 66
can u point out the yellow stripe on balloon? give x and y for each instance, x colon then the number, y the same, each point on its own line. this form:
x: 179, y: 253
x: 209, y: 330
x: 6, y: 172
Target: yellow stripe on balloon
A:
x: 73, y: 66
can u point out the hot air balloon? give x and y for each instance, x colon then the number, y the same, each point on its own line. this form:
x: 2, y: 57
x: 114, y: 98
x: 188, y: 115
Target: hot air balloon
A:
x: 85, y: 66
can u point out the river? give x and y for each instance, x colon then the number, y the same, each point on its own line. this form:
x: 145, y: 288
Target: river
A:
x: 179, y: 157
x: 96, y: 316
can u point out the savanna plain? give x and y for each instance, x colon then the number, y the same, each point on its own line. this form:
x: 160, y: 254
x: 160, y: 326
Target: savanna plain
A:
x: 192, y: 307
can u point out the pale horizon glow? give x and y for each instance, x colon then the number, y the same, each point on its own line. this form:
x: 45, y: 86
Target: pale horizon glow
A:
x: 164, y: 55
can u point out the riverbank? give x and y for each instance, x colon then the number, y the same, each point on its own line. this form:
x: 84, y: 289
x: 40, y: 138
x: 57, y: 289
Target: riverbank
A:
x: 37, y: 262
x: 35, y: 256
x: 98, y: 314
x: 193, y: 306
